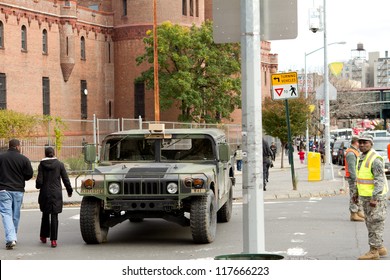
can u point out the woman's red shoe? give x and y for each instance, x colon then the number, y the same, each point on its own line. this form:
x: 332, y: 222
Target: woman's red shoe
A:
x: 54, y: 243
x: 43, y: 239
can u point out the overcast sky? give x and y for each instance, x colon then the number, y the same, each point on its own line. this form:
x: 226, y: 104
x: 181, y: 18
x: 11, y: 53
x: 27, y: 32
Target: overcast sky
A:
x: 352, y: 21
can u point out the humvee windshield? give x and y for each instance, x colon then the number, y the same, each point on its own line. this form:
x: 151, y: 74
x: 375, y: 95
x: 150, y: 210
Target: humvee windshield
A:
x: 141, y: 149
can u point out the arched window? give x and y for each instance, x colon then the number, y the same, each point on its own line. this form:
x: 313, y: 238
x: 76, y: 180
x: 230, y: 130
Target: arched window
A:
x: 44, y: 41
x: 24, y: 38
x: 82, y: 50
x: 1, y: 35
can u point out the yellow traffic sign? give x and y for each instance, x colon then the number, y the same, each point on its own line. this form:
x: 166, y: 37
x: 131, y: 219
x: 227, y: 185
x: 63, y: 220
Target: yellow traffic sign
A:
x: 284, y: 78
x: 284, y: 85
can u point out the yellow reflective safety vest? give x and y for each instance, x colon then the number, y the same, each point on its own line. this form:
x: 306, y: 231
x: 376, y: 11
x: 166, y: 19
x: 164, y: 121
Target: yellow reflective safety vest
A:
x: 365, y: 178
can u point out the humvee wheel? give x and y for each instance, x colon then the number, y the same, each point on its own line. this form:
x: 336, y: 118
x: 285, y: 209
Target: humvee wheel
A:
x: 203, y: 218
x: 91, y: 220
x: 225, y: 212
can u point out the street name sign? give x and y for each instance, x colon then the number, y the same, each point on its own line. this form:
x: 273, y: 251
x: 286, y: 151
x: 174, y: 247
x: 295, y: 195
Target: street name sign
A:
x: 284, y: 85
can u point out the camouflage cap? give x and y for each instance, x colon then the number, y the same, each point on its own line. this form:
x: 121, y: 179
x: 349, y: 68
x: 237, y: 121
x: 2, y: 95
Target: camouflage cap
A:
x: 367, y: 137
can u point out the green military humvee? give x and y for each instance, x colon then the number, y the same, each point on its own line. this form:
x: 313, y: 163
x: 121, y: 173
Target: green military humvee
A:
x: 181, y: 175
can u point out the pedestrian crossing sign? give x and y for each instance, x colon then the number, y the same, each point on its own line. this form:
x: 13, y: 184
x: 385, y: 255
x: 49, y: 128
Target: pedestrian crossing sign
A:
x: 284, y: 85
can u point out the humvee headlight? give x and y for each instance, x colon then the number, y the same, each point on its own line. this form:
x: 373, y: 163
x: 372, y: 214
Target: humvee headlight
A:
x: 194, y: 182
x: 114, y: 188
x: 197, y: 182
x: 172, y: 188
x: 89, y: 184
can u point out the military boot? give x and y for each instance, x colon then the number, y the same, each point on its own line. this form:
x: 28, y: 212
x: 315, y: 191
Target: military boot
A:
x: 356, y: 218
x: 382, y: 251
x: 373, y: 254
x: 361, y: 214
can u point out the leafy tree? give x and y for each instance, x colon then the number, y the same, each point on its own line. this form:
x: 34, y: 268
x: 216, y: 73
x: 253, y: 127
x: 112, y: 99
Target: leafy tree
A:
x: 200, y: 77
x: 17, y: 125
x: 274, y: 118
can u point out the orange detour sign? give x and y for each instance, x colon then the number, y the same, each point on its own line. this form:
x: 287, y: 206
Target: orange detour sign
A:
x: 284, y: 85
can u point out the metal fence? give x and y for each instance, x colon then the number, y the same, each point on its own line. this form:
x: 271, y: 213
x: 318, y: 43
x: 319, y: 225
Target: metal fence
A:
x: 77, y: 133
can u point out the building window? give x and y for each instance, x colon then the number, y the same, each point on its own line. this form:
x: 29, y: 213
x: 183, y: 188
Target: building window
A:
x: 82, y: 48
x: 197, y: 8
x: 110, y: 109
x: 67, y: 46
x: 192, y: 8
x: 24, y: 38
x: 109, y: 52
x: 1, y: 35
x: 139, y: 100
x: 84, y: 104
x: 44, y: 41
x: 124, y: 6
x: 3, y: 92
x: 184, y: 7
x: 46, y: 95
x: 67, y: 3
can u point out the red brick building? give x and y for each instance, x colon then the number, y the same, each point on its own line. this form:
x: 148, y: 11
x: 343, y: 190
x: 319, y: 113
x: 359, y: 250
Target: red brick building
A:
x: 74, y: 59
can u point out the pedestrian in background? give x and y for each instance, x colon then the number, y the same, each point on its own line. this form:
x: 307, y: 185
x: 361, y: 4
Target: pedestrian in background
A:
x: 351, y: 156
x: 267, y: 162
x: 372, y: 189
x: 15, y: 169
x: 238, y: 156
x: 301, y: 154
x: 50, y: 173
x: 273, y: 150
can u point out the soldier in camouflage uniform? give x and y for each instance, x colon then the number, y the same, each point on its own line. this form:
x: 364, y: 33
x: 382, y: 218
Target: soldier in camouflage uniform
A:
x: 372, y: 189
x: 351, y: 155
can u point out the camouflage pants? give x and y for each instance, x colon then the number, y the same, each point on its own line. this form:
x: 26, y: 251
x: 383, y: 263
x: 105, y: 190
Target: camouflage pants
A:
x: 375, y: 221
x: 353, y: 191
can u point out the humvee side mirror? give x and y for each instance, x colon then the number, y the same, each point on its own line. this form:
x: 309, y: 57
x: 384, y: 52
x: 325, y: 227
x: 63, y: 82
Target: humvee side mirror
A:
x: 224, y: 152
x: 89, y: 153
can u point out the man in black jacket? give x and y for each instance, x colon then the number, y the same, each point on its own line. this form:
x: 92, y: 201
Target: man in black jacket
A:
x: 15, y: 169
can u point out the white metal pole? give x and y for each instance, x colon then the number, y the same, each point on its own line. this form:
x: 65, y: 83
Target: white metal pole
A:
x: 307, y: 121
x: 252, y: 175
x: 328, y: 168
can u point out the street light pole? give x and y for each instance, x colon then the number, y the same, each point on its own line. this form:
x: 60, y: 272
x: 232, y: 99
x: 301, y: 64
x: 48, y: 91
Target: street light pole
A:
x: 306, y: 90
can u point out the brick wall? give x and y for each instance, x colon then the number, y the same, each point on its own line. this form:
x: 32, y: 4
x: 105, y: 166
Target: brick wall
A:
x: 103, y: 30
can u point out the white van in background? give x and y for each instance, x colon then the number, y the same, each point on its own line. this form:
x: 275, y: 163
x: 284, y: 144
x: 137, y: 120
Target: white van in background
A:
x: 378, y: 133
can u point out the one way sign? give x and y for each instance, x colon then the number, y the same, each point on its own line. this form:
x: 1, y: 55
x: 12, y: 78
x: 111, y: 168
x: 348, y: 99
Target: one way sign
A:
x: 284, y: 85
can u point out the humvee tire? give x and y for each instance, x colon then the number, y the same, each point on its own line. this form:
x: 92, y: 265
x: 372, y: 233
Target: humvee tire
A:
x: 225, y: 212
x: 203, y: 218
x: 91, y: 220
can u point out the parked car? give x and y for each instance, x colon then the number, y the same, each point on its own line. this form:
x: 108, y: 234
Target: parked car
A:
x: 380, y: 145
x: 338, y: 150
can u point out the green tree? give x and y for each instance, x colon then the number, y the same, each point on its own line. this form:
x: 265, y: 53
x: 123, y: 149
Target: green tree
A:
x: 200, y: 77
x: 58, y: 126
x: 274, y: 118
x: 17, y: 125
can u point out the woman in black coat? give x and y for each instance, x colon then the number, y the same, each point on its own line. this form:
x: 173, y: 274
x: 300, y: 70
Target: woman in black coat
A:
x: 50, y: 173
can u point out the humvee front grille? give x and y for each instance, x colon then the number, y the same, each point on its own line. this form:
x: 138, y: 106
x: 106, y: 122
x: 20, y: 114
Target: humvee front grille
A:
x: 145, y: 188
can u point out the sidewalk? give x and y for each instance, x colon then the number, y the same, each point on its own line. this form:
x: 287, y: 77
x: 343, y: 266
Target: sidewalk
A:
x: 279, y: 185
x: 280, y: 181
